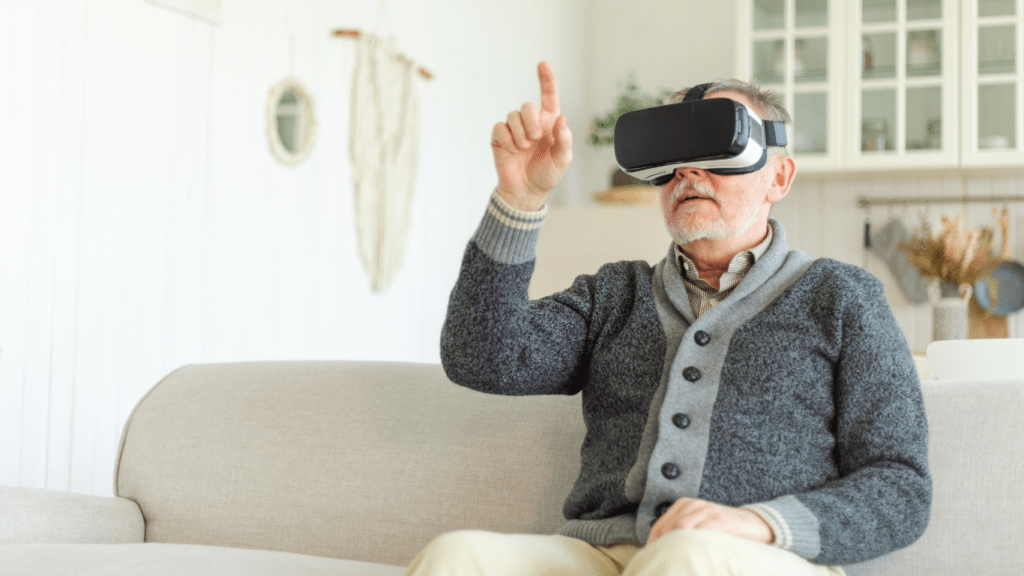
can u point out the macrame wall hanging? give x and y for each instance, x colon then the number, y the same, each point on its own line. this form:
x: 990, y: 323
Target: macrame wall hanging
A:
x: 383, y: 151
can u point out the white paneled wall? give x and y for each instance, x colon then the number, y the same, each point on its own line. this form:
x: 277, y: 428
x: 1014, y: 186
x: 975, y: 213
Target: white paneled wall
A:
x: 145, y: 225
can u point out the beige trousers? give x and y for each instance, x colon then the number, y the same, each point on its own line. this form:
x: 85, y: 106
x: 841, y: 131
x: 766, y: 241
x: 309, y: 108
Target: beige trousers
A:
x: 678, y: 553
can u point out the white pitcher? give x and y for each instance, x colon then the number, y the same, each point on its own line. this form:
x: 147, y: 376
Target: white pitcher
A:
x: 950, y: 319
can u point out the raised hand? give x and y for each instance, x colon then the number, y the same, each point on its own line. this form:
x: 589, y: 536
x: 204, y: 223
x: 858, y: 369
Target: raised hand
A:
x: 532, y: 148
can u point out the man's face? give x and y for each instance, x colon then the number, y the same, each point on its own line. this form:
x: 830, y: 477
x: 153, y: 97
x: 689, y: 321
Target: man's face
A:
x: 700, y: 205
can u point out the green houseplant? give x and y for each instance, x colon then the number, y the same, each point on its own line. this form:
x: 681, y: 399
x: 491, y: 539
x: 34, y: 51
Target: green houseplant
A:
x: 602, y: 127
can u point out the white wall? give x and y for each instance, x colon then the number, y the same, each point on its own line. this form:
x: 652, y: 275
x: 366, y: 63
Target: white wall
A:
x: 144, y: 223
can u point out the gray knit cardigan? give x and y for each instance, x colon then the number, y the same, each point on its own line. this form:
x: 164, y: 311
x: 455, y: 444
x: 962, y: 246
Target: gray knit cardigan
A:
x: 795, y: 397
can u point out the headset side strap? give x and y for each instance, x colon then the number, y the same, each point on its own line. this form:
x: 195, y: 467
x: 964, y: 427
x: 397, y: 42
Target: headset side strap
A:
x: 774, y: 133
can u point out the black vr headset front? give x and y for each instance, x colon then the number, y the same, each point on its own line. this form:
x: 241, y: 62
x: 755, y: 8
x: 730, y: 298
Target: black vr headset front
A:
x: 721, y: 135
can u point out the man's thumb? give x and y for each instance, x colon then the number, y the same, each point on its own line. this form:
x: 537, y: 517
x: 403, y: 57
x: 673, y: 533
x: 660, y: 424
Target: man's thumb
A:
x: 563, y: 137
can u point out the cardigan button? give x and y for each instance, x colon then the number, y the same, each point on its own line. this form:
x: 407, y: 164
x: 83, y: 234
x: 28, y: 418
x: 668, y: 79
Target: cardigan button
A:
x: 702, y: 337
x: 692, y: 374
x: 670, y: 471
x: 681, y: 420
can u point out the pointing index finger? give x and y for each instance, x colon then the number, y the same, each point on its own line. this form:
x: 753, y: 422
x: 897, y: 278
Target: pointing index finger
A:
x: 548, y: 88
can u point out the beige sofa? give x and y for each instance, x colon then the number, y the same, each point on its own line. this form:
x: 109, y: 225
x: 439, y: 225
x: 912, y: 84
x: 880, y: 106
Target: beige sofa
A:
x: 349, y: 468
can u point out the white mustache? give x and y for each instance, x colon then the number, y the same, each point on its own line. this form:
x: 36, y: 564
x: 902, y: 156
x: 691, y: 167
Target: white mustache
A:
x: 686, y: 188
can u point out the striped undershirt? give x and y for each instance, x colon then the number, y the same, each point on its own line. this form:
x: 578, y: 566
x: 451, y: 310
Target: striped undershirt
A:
x: 703, y: 296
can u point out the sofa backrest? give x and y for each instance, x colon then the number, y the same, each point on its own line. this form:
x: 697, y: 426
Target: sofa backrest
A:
x: 370, y: 460
x: 360, y: 460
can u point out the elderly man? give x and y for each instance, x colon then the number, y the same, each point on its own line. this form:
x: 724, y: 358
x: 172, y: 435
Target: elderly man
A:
x: 749, y: 410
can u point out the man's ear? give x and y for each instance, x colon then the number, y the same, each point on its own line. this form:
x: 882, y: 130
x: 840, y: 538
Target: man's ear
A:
x: 780, y: 178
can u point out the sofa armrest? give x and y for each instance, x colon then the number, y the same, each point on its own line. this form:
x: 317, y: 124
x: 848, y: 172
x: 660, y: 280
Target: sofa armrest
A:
x: 34, y: 516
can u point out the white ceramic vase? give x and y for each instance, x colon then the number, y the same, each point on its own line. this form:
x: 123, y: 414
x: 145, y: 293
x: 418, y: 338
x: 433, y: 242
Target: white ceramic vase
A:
x: 950, y: 319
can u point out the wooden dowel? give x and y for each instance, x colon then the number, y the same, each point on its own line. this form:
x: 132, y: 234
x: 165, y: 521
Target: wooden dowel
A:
x: 350, y: 33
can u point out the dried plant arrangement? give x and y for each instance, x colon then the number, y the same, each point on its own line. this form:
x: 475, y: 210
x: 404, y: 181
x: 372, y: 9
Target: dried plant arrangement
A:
x: 957, y: 255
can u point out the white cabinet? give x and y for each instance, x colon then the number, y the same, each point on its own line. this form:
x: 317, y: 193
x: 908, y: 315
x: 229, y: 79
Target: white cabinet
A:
x: 796, y: 47
x: 892, y: 84
x: 993, y: 83
x: 902, y: 79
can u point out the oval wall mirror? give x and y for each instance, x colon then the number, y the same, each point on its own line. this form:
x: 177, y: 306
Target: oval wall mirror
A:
x: 291, y: 121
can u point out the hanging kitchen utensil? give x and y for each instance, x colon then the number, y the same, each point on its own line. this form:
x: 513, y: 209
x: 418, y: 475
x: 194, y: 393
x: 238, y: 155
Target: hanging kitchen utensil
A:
x: 1002, y: 293
x: 885, y: 243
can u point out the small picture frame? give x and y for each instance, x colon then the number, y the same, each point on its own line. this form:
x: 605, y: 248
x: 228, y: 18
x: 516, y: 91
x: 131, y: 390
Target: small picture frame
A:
x: 290, y: 121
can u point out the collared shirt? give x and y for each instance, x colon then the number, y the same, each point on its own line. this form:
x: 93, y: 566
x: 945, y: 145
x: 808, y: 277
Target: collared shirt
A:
x: 704, y: 296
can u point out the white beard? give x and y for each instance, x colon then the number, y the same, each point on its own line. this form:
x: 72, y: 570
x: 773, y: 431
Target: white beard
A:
x: 686, y: 231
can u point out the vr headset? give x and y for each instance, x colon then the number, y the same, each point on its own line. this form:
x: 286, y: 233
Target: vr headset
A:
x: 720, y: 135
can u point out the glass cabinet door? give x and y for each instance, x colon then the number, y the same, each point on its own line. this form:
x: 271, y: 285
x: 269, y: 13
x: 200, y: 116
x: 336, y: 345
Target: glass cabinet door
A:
x: 795, y: 47
x: 902, y: 84
x: 993, y: 83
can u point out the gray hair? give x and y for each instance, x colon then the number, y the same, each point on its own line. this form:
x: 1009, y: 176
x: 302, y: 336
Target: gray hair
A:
x: 767, y: 104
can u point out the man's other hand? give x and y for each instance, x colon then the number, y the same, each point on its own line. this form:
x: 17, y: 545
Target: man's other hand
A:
x: 694, y: 513
x: 532, y: 148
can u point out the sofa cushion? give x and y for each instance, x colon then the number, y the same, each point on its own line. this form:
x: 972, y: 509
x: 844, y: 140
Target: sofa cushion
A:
x: 174, y: 560
x: 359, y: 460
x: 37, y: 515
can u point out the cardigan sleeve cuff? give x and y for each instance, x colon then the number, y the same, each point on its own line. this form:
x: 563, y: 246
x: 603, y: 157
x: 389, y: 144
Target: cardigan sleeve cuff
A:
x: 507, y: 234
x: 795, y: 527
